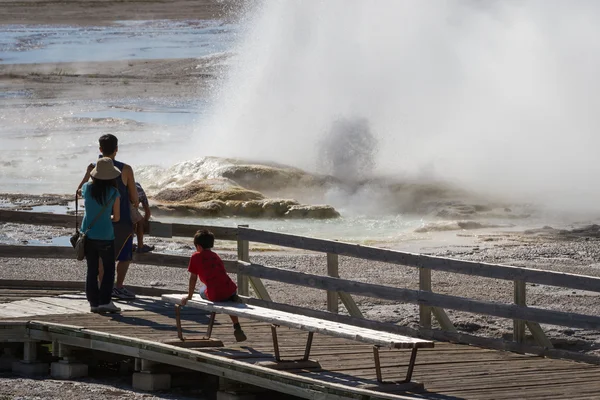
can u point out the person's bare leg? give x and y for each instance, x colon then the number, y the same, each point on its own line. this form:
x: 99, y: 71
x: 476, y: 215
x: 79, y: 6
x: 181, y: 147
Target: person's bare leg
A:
x: 234, y: 319
x: 139, y: 232
x: 122, y: 267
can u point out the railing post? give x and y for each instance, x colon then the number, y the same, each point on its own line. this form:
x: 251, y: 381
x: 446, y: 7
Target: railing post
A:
x: 243, y: 254
x: 519, y: 325
x: 332, y: 270
x: 425, y: 285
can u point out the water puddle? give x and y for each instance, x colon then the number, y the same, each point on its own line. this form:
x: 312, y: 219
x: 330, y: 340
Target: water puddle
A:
x: 15, y: 94
x: 159, y: 117
x: 25, y: 44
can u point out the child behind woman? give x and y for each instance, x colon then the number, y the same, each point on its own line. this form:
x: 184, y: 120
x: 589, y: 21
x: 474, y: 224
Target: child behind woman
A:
x: 101, y: 199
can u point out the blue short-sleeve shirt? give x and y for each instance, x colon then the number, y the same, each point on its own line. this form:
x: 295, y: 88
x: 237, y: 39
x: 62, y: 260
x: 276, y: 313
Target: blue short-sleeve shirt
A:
x: 103, y: 227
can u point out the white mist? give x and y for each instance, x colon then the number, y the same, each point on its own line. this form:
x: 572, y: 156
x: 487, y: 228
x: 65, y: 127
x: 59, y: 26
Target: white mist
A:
x: 500, y: 97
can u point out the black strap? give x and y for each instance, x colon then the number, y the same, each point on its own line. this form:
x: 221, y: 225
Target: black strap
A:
x: 97, y: 216
x: 76, y: 212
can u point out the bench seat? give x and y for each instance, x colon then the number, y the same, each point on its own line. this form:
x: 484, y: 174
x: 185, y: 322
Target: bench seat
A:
x: 310, y: 324
x: 304, y: 323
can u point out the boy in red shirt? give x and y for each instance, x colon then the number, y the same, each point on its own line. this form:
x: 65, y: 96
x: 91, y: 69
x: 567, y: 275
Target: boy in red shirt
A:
x: 208, y: 266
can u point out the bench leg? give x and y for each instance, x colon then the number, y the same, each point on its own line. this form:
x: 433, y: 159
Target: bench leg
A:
x: 211, y: 322
x: 308, y: 346
x: 180, y: 330
x: 377, y: 364
x: 275, y: 342
x: 411, y: 364
x: 178, y: 322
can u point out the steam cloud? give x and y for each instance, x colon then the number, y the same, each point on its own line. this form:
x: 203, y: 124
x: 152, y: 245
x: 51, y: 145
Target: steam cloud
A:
x: 496, y: 96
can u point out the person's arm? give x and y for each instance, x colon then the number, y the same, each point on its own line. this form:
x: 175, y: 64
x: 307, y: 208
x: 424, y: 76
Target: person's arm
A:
x: 130, y: 183
x: 86, y: 177
x: 116, y: 211
x: 191, y: 288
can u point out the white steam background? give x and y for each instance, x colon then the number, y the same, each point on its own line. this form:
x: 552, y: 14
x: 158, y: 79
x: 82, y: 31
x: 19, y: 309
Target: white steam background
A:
x: 497, y: 96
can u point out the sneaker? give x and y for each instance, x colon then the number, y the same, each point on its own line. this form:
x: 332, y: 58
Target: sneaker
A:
x: 122, y: 293
x: 144, y: 249
x: 239, y: 334
x: 109, y: 308
x: 94, y: 309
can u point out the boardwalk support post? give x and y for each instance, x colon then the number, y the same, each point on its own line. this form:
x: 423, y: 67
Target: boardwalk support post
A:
x: 332, y: 270
x: 519, y: 325
x: 243, y: 254
x: 425, y: 311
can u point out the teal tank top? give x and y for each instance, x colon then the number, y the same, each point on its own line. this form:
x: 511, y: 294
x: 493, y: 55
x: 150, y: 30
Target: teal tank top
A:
x: 103, y: 227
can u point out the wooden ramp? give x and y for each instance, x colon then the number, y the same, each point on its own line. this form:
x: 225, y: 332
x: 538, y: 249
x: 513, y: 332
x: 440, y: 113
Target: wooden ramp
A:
x: 448, y: 371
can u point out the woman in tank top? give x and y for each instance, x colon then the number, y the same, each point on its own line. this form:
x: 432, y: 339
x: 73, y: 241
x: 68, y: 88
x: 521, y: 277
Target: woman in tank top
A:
x: 102, y: 208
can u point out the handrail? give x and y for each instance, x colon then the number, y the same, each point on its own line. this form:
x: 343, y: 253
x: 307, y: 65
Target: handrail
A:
x: 497, y: 271
x: 419, y: 297
x: 430, y: 303
x: 344, y: 285
x: 155, y: 228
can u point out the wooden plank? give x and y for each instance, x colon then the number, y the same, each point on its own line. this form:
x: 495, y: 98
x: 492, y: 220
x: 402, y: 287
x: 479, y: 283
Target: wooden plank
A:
x: 259, y: 288
x: 30, y: 218
x: 197, y: 360
x: 455, y: 337
x: 350, y: 305
x: 518, y: 324
x: 332, y: 270
x: 425, y: 311
x: 243, y: 254
x: 420, y: 297
x: 158, y: 229
x: 487, y: 270
x: 68, y: 221
x: 309, y: 324
x: 220, y: 232
x: 539, y: 335
x: 53, y: 286
x: 443, y: 320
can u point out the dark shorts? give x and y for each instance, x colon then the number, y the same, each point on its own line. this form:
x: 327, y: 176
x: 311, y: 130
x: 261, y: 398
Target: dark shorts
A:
x: 123, y: 242
x: 233, y: 298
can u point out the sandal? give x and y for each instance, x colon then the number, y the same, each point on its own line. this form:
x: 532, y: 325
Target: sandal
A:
x: 145, y: 249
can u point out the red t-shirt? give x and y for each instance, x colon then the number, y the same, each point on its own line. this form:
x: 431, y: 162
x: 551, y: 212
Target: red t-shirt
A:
x: 211, y: 271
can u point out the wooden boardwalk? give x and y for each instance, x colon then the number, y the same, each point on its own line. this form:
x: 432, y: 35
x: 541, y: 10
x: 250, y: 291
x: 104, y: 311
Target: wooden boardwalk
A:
x: 448, y: 371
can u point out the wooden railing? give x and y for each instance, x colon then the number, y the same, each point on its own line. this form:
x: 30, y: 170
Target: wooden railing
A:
x: 430, y: 303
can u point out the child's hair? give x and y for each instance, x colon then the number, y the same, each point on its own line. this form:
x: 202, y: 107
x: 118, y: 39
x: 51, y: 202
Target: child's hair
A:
x: 204, y: 238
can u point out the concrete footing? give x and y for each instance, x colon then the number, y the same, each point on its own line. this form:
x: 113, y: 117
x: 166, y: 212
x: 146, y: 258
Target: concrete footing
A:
x: 30, y: 368
x: 68, y: 370
x: 225, y: 395
x: 149, y: 382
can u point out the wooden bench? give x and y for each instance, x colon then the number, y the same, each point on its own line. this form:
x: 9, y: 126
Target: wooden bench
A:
x: 312, y: 325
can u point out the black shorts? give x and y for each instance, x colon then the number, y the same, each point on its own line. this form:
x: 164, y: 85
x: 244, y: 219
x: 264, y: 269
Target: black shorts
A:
x: 234, y: 298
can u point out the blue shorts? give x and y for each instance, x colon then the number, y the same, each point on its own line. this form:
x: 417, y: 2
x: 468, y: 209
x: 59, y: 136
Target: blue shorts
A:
x: 123, y: 241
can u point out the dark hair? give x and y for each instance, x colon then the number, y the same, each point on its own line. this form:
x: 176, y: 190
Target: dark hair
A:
x: 204, y: 238
x: 100, y: 189
x: 108, y: 144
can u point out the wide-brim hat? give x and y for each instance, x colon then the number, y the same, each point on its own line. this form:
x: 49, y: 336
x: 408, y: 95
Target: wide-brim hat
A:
x: 105, y: 169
